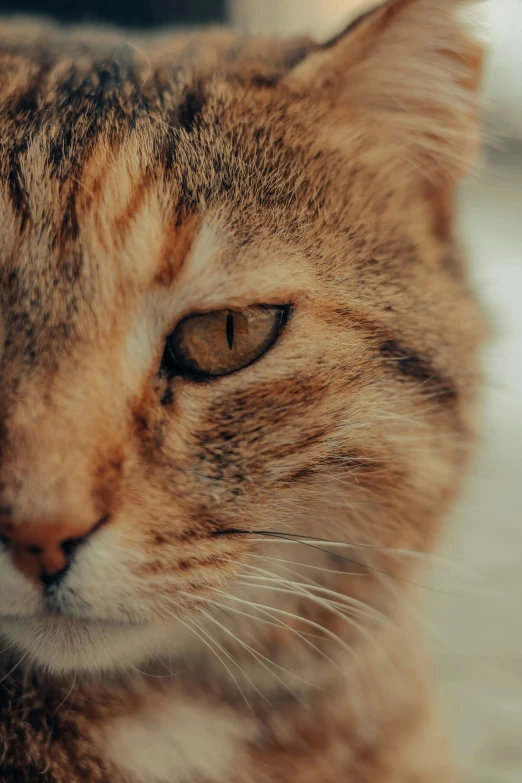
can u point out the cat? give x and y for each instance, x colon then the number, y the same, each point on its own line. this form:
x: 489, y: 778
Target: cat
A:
x: 239, y: 381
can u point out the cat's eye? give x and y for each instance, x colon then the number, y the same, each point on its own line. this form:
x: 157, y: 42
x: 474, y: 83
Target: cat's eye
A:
x: 223, y: 341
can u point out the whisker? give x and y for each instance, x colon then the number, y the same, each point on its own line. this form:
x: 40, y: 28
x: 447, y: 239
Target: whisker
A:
x: 261, y: 658
x: 359, y: 607
x: 294, y: 538
x: 224, y: 651
x: 207, y: 644
x: 326, y: 604
x: 343, y: 613
x: 70, y: 692
x: 304, y: 565
x: 428, y: 557
x: 7, y: 648
x: 340, y: 600
x: 14, y: 668
x: 142, y: 673
x: 285, y: 613
x: 276, y: 623
x: 153, y: 654
x: 333, y: 606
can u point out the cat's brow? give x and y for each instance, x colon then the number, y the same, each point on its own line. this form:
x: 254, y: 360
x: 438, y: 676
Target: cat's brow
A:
x: 178, y: 240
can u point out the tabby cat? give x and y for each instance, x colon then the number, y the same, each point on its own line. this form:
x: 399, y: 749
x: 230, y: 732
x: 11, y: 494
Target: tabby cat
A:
x: 238, y: 382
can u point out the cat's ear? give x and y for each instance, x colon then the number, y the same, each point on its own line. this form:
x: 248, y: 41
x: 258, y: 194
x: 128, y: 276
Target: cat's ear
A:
x: 405, y: 75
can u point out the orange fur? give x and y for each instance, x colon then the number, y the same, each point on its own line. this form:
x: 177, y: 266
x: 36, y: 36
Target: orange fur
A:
x: 145, y: 180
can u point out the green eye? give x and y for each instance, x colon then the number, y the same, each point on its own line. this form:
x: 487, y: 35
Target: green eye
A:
x: 223, y: 341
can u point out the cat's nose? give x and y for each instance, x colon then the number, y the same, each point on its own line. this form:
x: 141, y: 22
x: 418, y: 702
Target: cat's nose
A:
x: 44, y: 551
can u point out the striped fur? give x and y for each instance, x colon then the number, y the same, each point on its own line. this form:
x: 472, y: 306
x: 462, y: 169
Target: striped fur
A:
x: 145, y: 179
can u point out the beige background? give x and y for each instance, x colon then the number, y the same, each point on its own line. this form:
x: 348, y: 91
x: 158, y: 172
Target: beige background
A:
x: 480, y: 636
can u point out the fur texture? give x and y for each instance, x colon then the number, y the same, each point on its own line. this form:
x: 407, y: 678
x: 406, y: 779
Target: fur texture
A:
x: 199, y: 635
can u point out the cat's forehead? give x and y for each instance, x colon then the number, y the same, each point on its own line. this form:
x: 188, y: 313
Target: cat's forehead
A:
x: 197, y: 110
x: 110, y: 151
x: 99, y: 79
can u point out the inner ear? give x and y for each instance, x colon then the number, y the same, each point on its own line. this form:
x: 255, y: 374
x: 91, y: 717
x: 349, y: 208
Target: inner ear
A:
x: 345, y: 47
x: 404, y: 76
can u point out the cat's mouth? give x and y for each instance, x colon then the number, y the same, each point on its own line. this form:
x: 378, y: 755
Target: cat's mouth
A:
x: 56, y: 616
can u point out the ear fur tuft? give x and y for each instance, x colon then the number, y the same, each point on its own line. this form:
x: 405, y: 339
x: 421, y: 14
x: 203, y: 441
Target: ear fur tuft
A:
x: 404, y: 75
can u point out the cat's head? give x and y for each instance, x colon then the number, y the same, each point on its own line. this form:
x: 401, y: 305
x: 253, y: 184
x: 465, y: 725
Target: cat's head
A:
x: 230, y: 300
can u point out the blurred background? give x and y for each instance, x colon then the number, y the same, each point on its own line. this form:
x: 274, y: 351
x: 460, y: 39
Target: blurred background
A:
x: 477, y: 631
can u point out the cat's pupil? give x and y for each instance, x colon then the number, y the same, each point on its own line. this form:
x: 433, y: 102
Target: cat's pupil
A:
x: 230, y: 330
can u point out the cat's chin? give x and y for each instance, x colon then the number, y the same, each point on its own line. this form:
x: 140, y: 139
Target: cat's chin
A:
x: 60, y: 645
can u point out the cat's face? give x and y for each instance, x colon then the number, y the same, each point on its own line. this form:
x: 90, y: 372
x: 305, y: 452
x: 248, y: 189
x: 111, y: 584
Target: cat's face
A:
x: 230, y: 301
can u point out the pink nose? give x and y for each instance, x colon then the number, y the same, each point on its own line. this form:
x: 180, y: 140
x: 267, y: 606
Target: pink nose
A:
x: 43, y: 551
